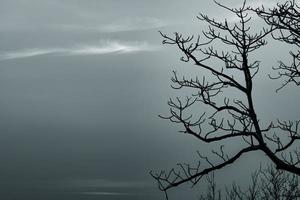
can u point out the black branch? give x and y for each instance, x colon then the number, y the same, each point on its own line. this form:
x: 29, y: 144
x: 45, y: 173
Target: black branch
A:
x: 285, y: 18
x: 226, y: 116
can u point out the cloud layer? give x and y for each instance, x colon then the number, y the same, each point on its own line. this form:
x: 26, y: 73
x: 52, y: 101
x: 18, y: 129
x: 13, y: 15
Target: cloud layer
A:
x: 119, y: 25
x: 108, y: 47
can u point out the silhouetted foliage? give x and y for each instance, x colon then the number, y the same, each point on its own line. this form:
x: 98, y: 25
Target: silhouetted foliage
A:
x: 234, y: 118
x: 266, y: 184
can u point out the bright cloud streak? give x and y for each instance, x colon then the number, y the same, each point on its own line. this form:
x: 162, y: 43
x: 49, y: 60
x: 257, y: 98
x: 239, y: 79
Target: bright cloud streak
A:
x: 105, y: 193
x: 103, y: 187
x: 120, y: 25
x: 136, y: 24
x: 27, y: 53
x: 117, y: 194
x: 112, y: 47
x: 108, y: 47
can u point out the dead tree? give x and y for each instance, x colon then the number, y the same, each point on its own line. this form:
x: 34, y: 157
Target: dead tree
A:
x: 227, y: 117
x: 286, y: 19
x: 266, y: 184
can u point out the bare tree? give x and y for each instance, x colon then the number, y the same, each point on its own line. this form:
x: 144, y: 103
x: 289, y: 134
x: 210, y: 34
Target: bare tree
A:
x: 266, y: 184
x: 285, y: 18
x: 212, y: 192
x: 227, y: 117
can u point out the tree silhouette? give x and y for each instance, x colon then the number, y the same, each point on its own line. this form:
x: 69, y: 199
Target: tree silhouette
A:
x: 265, y: 184
x: 228, y: 117
x: 286, y: 19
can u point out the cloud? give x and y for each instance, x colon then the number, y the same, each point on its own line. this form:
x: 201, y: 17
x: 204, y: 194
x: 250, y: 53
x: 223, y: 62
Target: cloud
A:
x: 27, y: 53
x: 134, y: 24
x: 107, y: 47
x: 117, y: 194
x: 103, y: 183
x: 112, y: 47
x: 105, y: 193
x: 100, y: 187
x: 119, y: 25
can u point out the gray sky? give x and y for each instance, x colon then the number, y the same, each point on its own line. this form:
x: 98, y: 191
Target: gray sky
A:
x: 81, y: 85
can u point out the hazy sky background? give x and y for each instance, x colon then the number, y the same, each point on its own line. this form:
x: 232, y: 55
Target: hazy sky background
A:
x: 81, y: 85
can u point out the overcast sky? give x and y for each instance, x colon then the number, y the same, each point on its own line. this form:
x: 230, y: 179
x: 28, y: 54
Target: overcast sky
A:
x: 81, y: 85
